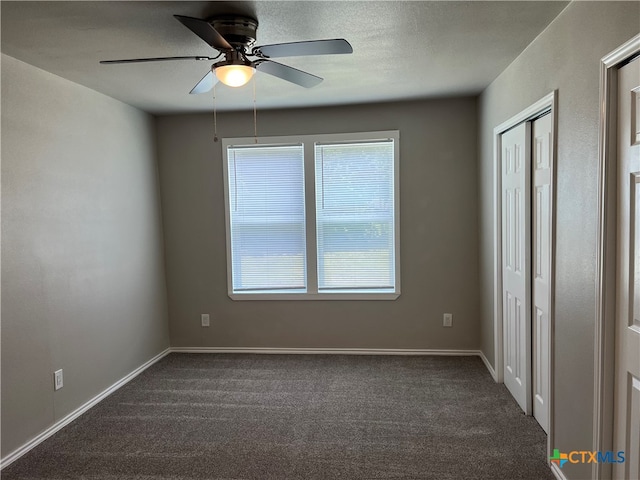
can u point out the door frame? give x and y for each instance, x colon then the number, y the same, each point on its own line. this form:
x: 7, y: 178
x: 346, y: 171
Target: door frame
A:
x: 546, y: 104
x: 604, y: 348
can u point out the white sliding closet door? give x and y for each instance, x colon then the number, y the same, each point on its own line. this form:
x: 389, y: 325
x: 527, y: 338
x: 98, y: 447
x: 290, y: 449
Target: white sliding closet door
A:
x: 541, y: 265
x: 516, y: 259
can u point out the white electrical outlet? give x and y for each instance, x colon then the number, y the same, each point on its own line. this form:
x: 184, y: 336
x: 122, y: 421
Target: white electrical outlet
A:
x: 447, y: 320
x: 57, y: 380
x: 204, y: 318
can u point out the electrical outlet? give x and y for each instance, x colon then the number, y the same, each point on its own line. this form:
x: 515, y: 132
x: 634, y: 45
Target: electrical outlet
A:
x: 204, y: 318
x: 447, y: 320
x: 57, y: 380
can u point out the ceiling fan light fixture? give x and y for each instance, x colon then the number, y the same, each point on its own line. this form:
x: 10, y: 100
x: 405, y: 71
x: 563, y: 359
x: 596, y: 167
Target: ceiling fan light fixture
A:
x: 234, y: 75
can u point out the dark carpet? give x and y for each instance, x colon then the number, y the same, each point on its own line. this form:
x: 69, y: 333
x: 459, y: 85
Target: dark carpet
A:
x: 228, y: 416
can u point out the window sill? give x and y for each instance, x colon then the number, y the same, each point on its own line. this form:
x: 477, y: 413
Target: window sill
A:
x: 315, y: 296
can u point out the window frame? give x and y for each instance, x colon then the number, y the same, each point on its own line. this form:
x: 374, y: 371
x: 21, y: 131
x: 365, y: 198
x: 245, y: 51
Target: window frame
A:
x: 309, y: 142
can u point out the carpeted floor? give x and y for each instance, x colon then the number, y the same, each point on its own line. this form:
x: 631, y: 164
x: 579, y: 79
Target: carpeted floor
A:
x: 228, y: 416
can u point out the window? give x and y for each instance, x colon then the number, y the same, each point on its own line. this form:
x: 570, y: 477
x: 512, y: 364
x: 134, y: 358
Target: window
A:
x: 266, y: 205
x: 313, y: 216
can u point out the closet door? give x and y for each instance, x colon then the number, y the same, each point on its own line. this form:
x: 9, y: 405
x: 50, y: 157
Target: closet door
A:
x: 516, y: 269
x: 541, y: 265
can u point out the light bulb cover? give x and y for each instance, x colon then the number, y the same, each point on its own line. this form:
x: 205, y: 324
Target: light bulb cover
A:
x: 234, y: 75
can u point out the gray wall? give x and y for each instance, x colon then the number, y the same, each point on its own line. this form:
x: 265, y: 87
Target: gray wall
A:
x: 82, y: 269
x: 566, y: 56
x: 438, y: 234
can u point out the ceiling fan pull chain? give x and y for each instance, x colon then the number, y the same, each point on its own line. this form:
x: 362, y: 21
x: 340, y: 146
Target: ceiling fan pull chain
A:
x: 215, y: 120
x: 255, y: 115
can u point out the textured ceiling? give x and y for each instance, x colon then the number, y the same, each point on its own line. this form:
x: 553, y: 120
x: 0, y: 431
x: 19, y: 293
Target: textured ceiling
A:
x: 402, y: 50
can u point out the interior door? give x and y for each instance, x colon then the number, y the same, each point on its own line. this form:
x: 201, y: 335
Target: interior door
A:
x: 541, y: 265
x: 516, y: 255
x: 627, y: 376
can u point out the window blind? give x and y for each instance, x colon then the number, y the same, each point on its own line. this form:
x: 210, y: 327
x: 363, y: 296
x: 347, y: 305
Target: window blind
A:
x: 355, y: 215
x: 267, y: 217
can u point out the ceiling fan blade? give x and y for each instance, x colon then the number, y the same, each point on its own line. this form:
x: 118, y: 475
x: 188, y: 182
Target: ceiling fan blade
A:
x: 205, y: 31
x: 155, y: 59
x: 295, y: 49
x: 289, y: 74
x: 205, y: 84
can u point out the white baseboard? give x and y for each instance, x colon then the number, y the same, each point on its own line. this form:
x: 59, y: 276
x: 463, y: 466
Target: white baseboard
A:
x: 555, y: 469
x: 326, y: 351
x: 488, y: 365
x: 16, y: 454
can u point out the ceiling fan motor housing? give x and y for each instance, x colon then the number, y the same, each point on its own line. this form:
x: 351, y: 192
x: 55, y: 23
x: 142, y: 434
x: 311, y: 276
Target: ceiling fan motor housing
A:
x: 233, y: 57
x: 239, y: 31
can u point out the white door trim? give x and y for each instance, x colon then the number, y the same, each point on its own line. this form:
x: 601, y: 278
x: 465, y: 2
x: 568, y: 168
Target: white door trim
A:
x: 606, y: 253
x: 547, y: 103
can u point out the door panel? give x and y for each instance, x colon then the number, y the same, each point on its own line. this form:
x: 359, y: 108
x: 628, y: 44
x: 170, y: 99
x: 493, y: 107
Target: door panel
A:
x: 516, y: 252
x: 541, y: 295
x: 627, y: 372
x: 632, y: 434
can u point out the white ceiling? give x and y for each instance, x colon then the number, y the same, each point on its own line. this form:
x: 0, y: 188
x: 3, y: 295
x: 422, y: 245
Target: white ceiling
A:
x: 402, y: 50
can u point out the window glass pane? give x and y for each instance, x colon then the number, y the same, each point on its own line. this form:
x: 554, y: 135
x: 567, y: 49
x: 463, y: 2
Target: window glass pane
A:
x: 266, y: 201
x: 354, y: 215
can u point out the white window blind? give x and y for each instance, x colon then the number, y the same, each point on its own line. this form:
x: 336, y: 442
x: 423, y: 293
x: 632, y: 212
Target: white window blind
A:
x: 267, y: 217
x: 355, y: 215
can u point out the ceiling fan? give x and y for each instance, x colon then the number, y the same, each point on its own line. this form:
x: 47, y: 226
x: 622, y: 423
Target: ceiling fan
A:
x: 233, y: 36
